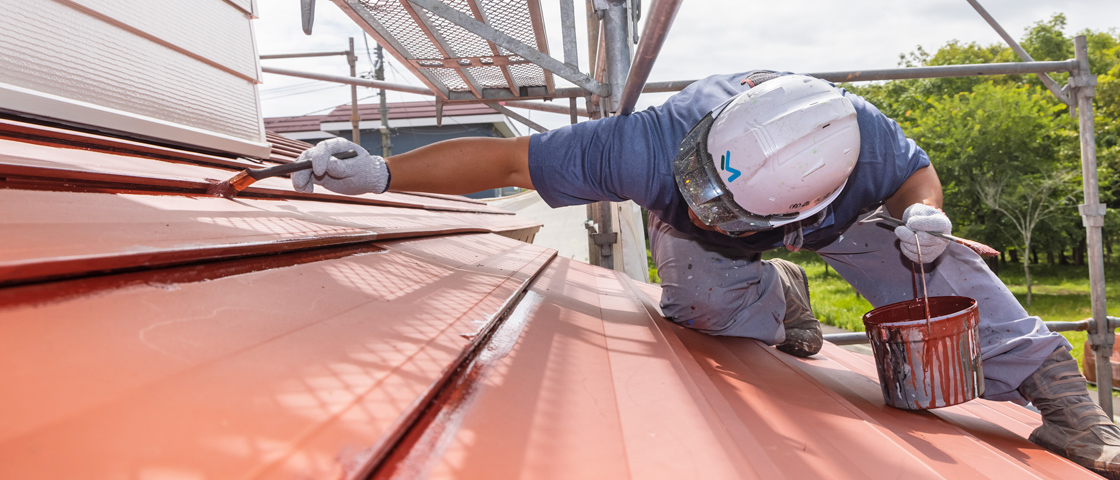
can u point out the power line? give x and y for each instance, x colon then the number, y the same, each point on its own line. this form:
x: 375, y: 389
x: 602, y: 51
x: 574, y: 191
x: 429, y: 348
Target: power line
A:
x: 336, y: 106
x: 289, y: 87
x: 315, y: 90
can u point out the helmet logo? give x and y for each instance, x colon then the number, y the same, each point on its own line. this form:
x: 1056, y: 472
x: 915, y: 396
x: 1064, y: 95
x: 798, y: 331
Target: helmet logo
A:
x: 725, y: 165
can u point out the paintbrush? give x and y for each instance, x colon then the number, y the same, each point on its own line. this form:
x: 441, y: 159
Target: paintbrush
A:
x: 977, y: 247
x: 249, y: 176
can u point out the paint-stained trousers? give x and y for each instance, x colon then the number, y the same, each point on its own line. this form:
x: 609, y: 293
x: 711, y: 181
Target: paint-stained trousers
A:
x: 723, y: 291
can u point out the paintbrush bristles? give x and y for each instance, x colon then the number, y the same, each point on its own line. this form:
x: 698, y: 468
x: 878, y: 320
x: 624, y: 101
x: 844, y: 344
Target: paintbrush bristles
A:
x: 230, y: 187
x: 241, y: 181
x: 978, y: 247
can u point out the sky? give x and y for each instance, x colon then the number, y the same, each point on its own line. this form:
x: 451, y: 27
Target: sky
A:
x: 707, y: 37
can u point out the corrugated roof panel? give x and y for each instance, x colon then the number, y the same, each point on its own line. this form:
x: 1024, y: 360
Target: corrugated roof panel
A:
x: 40, y: 163
x: 127, y: 231
x: 599, y: 386
x: 287, y: 366
x: 149, y: 331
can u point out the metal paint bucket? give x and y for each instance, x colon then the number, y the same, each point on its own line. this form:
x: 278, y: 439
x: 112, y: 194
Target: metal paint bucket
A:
x: 927, y: 364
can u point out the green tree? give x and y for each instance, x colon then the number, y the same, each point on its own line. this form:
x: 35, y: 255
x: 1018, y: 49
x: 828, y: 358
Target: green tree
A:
x: 976, y: 127
x: 1027, y: 200
x: 990, y: 132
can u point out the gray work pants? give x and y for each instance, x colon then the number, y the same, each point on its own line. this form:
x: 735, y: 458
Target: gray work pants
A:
x: 723, y: 291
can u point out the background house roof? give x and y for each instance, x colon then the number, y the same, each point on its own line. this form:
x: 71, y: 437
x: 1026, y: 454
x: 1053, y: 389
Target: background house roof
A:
x: 372, y: 112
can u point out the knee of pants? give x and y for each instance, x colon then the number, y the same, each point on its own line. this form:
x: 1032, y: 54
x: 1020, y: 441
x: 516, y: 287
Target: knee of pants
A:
x: 693, y: 306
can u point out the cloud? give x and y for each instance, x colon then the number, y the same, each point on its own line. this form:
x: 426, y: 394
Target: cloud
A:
x: 711, y: 36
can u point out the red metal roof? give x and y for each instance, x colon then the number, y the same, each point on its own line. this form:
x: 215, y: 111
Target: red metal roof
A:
x: 303, y: 123
x: 148, y: 330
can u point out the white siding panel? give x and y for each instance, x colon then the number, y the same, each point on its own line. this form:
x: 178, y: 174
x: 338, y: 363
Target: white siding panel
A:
x: 66, y: 54
x: 249, y: 6
x: 212, y: 30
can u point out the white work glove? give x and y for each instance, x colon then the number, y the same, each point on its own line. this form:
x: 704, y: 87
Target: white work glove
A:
x: 921, y: 218
x: 364, y: 173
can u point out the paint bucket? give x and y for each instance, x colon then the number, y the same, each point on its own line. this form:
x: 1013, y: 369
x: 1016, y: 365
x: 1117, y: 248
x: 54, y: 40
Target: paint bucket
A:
x: 927, y: 361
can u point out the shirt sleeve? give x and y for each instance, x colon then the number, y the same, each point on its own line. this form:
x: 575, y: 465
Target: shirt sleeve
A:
x: 627, y: 157
x: 613, y: 159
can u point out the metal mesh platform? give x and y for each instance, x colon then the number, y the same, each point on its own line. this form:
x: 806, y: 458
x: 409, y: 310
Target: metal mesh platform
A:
x: 454, y: 62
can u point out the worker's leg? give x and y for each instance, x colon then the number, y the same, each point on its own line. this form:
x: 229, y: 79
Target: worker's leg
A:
x: 722, y: 291
x: 1022, y: 359
x: 1012, y: 343
x: 1072, y: 425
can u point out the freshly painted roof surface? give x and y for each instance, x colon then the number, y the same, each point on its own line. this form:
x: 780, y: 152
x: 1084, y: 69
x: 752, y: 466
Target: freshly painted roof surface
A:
x: 150, y: 331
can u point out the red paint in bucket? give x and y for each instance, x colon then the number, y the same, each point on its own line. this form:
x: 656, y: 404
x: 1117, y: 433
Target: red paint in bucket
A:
x: 927, y: 364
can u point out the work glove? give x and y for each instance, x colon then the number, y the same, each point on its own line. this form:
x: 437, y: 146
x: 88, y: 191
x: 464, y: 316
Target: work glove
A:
x: 363, y: 173
x: 920, y: 218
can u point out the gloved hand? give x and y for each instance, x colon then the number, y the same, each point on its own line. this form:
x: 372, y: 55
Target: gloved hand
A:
x: 921, y: 218
x: 364, y: 173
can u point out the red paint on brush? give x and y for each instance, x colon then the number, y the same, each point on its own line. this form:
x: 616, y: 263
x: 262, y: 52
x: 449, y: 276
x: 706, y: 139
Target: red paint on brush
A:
x: 927, y: 363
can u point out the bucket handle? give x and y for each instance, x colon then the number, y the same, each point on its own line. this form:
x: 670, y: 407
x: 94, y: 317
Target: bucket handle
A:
x: 922, y: 267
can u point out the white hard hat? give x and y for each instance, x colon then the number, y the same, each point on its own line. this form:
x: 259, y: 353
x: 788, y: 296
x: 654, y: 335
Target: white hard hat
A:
x: 775, y: 154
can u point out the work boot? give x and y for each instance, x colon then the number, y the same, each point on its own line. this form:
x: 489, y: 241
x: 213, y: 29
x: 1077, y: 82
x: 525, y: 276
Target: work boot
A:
x: 1072, y: 425
x: 803, y: 331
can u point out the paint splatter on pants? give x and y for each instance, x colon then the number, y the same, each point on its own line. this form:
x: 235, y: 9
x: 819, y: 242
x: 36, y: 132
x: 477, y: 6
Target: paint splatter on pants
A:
x: 722, y: 291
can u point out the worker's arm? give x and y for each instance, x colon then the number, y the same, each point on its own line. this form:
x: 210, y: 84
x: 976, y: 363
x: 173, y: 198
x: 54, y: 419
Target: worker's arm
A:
x: 462, y: 165
x: 922, y: 187
x: 457, y: 166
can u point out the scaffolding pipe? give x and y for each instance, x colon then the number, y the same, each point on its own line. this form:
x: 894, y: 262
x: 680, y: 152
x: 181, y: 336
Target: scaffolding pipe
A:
x: 1017, y: 68
x: 1101, y: 335
x: 857, y: 338
x: 1046, y: 80
x: 568, y: 27
x: 303, y: 55
x: 618, y: 49
x: 543, y: 107
x: 908, y: 73
x: 361, y: 82
x: 383, y: 106
x: 942, y: 71
x: 517, y: 116
x: 658, y: 21
x: 355, y: 118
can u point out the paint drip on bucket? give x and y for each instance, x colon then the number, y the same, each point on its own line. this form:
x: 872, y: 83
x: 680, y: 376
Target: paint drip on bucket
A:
x: 927, y: 362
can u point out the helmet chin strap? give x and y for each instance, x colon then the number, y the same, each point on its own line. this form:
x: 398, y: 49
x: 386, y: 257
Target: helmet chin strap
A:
x: 794, y: 237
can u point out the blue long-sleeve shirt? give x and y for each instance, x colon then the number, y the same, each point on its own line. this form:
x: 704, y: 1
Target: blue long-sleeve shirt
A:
x: 631, y: 158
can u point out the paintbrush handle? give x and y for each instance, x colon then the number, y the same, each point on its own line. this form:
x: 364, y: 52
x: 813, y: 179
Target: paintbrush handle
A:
x: 261, y: 173
x: 977, y: 247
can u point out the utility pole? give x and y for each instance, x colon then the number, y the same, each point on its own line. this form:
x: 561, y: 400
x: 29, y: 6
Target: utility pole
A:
x: 352, y: 58
x: 379, y: 74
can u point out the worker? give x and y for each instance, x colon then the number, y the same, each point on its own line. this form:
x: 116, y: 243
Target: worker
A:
x: 736, y: 165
